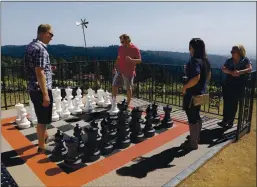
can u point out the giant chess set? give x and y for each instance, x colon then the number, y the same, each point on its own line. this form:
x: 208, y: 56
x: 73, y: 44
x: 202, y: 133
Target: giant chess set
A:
x: 117, y: 129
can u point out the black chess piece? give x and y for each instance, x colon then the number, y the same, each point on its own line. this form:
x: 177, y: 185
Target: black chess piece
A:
x: 112, y: 124
x: 106, y: 145
x: 59, y: 150
x: 73, y: 157
x: 92, y: 151
x: 123, y: 140
x: 167, y: 122
x: 78, y: 134
x: 149, y: 131
x: 156, y: 117
x: 136, y: 135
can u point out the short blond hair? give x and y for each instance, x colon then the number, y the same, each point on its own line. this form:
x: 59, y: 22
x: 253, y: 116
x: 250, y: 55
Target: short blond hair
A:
x: 241, y: 49
x: 125, y: 37
x: 43, y: 28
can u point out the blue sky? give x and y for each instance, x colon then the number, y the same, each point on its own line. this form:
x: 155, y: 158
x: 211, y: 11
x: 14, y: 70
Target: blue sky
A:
x: 151, y: 25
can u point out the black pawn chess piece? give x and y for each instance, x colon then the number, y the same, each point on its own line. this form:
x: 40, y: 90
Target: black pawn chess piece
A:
x: 136, y: 135
x: 167, y: 122
x: 59, y: 150
x: 123, y: 140
x: 156, y: 117
x: 92, y: 151
x: 106, y: 145
x: 149, y: 131
x: 78, y: 134
x: 73, y: 157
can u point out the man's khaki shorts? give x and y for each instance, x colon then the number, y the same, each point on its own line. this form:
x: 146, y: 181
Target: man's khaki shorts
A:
x: 120, y: 80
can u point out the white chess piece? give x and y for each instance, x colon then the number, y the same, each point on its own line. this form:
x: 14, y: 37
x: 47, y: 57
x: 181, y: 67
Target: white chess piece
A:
x: 100, y: 99
x: 32, y: 114
x: 69, y: 98
x: 55, y: 116
x: 57, y: 97
x: 107, y: 100
x: 24, y: 123
x: 65, y: 112
x: 79, y: 96
x: 89, y: 106
x: 76, y: 110
x: 18, y: 109
x: 91, y: 94
x: 114, y: 110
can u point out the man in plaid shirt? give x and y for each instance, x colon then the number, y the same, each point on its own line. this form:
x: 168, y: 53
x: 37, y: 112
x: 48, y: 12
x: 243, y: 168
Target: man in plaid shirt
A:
x: 38, y: 68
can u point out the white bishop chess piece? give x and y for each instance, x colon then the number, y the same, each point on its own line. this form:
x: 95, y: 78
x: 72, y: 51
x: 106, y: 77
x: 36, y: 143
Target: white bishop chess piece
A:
x: 91, y: 94
x: 18, y: 109
x: 55, y: 116
x: 76, y: 110
x: 69, y: 98
x: 100, y: 97
x: 32, y: 114
x: 65, y: 112
x: 79, y: 96
x: 24, y: 122
x: 57, y: 97
x: 89, y: 106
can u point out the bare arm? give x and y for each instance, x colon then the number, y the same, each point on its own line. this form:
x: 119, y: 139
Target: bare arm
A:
x: 227, y: 71
x: 247, y: 70
x: 209, y: 76
x: 41, y: 78
x: 136, y: 61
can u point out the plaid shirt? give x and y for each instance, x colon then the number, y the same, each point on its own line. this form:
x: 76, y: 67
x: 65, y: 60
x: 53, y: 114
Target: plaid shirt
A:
x: 36, y: 55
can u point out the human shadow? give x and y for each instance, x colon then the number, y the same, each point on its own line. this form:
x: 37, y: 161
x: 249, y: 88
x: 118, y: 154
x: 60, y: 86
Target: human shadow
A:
x: 11, y: 158
x: 145, y: 165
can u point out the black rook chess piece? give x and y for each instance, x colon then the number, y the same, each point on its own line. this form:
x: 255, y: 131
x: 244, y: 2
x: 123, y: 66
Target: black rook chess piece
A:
x: 123, y: 140
x: 149, y: 131
x: 156, y: 117
x: 73, y: 157
x: 59, y: 150
x: 78, y: 134
x: 167, y: 122
x: 136, y: 135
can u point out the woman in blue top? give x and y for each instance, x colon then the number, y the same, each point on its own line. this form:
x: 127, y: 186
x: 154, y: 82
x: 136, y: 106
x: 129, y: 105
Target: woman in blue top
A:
x: 234, y: 69
x: 198, y: 72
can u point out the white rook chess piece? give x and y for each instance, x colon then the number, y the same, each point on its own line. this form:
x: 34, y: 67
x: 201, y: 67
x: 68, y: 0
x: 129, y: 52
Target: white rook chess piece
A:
x: 57, y: 97
x: 79, y: 96
x: 76, y: 110
x: 107, y: 100
x: 24, y: 122
x: 32, y: 114
x: 65, y: 112
x: 100, y: 99
x: 89, y: 106
x: 55, y: 116
x: 18, y: 109
x: 114, y: 110
x: 69, y: 97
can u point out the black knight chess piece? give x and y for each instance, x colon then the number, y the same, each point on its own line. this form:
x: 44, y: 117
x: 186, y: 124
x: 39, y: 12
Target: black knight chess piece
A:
x: 136, y: 135
x: 167, y: 122
x: 148, y: 130
x: 156, y: 117
x: 106, y: 145
x: 78, y: 134
x: 59, y: 151
x: 73, y: 158
x: 91, y: 150
x: 123, y: 140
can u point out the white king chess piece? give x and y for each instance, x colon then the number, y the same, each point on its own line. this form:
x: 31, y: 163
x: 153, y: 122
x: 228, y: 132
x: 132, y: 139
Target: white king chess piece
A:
x: 32, y: 114
x: 100, y: 99
x: 114, y: 110
x: 89, y: 106
x: 76, y: 110
x: 18, y: 107
x: 69, y: 98
x: 79, y: 96
x: 65, y: 112
x: 107, y: 100
x: 55, y: 116
x: 24, y: 123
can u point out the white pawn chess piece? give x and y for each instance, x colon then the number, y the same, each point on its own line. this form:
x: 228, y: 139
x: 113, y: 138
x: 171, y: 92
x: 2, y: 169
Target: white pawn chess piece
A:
x: 55, y: 116
x: 57, y: 100
x: 24, y: 123
x: 89, y: 107
x: 18, y: 109
x: 65, y: 112
x: 114, y: 110
x: 100, y: 99
x: 107, y: 100
x: 32, y: 114
x: 79, y: 96
x: 76, y: 110
x: 69, y: 98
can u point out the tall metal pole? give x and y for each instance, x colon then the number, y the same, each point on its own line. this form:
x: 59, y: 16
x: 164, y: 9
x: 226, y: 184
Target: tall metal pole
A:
x: 84, y: 37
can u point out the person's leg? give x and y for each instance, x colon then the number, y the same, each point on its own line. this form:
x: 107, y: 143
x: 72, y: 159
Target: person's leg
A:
x: 128, y: 85
x: 116, y: 83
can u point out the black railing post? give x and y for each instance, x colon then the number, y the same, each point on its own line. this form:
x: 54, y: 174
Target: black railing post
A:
x: 4, y: 87
x: 253, y: 77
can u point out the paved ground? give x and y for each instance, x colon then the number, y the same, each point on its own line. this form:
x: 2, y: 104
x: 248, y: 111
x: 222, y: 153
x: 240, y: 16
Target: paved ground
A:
x: 157, y: 161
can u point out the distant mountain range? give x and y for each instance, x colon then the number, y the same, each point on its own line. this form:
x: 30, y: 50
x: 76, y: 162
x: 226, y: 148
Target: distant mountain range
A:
x: 69, y: 52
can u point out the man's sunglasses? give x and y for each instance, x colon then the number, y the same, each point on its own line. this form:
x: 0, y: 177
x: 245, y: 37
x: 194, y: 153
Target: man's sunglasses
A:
x: 52, y: 35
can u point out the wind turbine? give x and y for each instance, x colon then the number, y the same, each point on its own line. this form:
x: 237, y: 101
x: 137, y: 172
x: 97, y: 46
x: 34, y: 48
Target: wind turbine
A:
x: 83, y: 24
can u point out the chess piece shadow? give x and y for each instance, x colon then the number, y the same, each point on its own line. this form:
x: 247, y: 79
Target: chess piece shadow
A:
x: 146, y: 165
